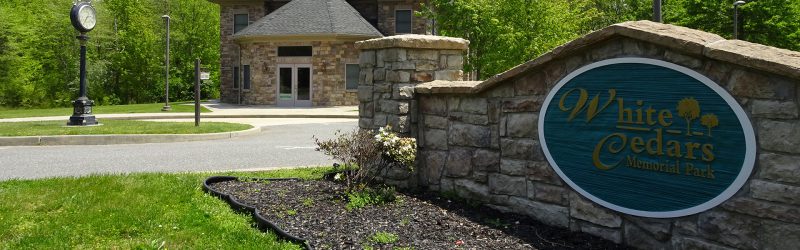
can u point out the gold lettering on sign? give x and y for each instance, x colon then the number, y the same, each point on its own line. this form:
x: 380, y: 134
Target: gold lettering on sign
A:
x: 636, y: 116
x: 583, y: 96
x: 613, y: 147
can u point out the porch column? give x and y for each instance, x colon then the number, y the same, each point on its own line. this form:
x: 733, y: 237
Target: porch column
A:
x: 392, y: 66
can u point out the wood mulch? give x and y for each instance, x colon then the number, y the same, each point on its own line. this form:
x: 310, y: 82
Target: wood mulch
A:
x: 315, y: 210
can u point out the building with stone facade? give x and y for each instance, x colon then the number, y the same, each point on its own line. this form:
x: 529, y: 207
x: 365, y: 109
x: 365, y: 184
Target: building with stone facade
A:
x: 301, y: 53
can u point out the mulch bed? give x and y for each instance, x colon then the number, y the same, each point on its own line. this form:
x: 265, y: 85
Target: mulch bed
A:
x: 315, y: 211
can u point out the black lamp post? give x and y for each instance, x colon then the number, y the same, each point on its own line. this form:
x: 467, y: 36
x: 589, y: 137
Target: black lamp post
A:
x: 84, y: 18
x: 166, y: 71
x: 657, y: 11
x: 736, y: 18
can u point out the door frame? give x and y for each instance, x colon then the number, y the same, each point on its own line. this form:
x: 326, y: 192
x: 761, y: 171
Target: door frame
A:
x: 294, y: 102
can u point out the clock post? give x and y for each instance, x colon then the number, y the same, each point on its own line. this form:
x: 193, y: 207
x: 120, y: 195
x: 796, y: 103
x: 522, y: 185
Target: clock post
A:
x: 83, y: 17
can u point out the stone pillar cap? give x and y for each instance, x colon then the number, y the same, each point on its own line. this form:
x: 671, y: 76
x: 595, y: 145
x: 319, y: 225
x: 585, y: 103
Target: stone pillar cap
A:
x: 415, y: 42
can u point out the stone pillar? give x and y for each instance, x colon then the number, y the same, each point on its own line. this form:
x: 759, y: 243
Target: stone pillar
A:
x: 392, y: 66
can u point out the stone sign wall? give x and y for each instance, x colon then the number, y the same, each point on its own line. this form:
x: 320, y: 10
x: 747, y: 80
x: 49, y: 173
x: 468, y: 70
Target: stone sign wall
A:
x: 480, y: 140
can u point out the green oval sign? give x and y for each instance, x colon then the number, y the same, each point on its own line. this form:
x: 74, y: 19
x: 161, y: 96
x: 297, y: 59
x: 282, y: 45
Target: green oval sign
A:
x: 647, y: 137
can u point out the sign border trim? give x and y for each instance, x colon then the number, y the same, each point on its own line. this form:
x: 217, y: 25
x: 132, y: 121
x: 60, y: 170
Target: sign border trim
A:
x: 744, y: 120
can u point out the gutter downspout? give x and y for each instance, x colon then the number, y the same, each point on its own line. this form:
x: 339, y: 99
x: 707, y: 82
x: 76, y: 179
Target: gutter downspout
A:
x: 239, y: 75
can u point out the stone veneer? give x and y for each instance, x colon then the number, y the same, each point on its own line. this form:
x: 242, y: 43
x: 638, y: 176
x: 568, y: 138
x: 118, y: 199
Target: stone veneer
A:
x: 392, y: 66
x: 229, y: 51
x: 479, y: 140
x: 328, y: 62
x: 386, y: 16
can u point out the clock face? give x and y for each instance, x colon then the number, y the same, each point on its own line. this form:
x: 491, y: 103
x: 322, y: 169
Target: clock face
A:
x: 86, y: 16
x: 83, y: 17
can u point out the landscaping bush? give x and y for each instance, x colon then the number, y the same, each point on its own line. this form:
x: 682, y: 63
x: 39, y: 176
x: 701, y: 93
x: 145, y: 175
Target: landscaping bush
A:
x: 365, y: 153
x: 370, y: 196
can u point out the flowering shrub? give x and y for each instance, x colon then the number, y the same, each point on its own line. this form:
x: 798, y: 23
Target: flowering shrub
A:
x: 364, y: 154
x: 399, y: 149
x: 359, y: 154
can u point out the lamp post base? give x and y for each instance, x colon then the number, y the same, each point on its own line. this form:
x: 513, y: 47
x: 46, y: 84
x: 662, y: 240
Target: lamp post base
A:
x: 166, y: 108
x: 82, y: 113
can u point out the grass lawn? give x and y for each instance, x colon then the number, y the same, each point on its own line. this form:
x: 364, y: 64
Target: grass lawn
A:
x: 136, y: 211
x: 116, y: 127
x: 113, y: 109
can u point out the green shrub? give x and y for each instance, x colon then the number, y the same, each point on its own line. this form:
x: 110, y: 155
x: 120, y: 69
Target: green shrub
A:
x: 370, y: 196
x: 383, y: 238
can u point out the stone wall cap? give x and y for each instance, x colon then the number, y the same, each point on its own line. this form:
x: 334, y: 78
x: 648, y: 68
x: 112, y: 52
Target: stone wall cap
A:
x: 415, y: 42
x: 446, y: 87
x: 688, y: 40
x: 758, y: 56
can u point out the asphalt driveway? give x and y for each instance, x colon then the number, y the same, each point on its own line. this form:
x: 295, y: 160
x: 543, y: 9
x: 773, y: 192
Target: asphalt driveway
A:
x: 280, y: 144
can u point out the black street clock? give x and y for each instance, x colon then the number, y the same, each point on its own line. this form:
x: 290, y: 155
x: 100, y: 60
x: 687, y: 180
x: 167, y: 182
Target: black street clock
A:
x: 83, y: 17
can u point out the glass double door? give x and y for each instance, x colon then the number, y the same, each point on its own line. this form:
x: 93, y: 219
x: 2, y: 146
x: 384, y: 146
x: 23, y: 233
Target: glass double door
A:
x: 294, y: 85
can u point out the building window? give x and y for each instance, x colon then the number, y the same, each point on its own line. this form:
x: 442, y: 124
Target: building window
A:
x: 240, y: 21
x: 235, y: 77
x: 246, y: 83
x: 294, y: 51
x: 352, y: 72
x: 402, y: 21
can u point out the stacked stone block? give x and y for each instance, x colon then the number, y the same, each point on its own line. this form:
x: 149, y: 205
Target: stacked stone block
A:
x: 481, y: 142
x: 390, y: 69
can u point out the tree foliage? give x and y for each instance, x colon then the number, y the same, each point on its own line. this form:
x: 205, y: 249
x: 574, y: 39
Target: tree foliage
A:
x: 771, y: 22
x: 506, y: 33
x: 125, y: 54
x: 39, y: 52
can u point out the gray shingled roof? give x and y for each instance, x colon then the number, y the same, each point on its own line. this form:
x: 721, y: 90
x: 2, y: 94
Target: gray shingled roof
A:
x: 311, y: 17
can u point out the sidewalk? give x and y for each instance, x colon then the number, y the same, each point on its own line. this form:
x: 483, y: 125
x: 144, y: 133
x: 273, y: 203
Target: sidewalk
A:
x: 259, y: 116
x: 223, y: 110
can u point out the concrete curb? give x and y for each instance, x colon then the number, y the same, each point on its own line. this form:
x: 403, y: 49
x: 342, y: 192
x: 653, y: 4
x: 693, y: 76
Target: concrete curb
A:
x: 188, y: 116
x: 52, y: 140
x: 227, y: 116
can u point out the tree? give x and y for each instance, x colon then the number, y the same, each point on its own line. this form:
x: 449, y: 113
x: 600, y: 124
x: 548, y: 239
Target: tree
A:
x: 39, y: 72
x: 770, y: 22
x: 710, y: 121
x: 689, y: 109
x: 194, y: 40
x: 39, y: 52
x: 503, y: 34
x: 617, y: 11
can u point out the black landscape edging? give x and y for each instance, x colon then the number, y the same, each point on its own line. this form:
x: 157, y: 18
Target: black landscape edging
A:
x: 261, y: 222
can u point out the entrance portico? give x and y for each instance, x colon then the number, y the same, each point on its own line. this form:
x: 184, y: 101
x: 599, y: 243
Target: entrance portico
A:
x: 294, y: 85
